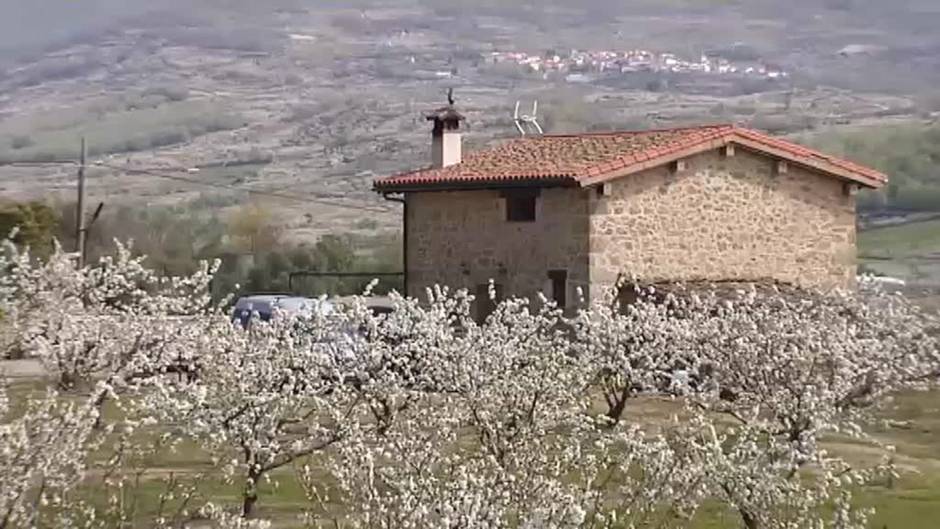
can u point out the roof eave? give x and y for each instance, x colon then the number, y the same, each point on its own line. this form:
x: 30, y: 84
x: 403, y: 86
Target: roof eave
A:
x: 477, y: 185
x: 818, y: 165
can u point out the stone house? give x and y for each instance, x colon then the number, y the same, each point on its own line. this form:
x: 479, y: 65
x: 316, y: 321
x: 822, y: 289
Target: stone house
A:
x: 555, y: 213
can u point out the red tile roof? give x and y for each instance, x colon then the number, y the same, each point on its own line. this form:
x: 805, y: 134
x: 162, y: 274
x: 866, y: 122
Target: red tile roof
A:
x: 586, y: 159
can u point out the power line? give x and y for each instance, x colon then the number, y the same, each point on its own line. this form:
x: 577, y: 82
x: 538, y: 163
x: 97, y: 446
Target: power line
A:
x: 38, y: 163
x: 292, y: 197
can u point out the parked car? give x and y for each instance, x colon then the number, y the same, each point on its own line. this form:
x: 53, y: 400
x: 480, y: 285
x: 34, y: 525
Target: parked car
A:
x: 377, y: 304
x: 264, y: 306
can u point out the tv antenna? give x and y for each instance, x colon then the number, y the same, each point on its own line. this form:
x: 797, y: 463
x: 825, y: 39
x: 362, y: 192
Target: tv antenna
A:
x: 527, y: 123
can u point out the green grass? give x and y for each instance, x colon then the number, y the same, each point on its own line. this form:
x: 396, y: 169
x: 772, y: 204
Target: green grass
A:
x: 913, y: 502
x: 908, y: 506
x: 282, y: 499
x: 914, y: 239
x: 905, y: 251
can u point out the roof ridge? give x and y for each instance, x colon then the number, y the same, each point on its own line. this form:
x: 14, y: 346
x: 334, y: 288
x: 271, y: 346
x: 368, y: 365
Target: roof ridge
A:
x: 728, y: 126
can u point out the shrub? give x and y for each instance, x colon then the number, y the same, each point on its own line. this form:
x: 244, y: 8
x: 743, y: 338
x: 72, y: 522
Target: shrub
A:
x: 168, y: 93
x: 36, y: 224
x: 21, y: 142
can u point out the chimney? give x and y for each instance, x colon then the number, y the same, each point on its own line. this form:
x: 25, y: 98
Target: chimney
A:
x: 445, y: 137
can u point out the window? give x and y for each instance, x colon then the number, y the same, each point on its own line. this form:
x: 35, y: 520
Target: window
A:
x: 484, y: 304
x: 520, y: 204
x: 520, y: 207
x: 559, y: 280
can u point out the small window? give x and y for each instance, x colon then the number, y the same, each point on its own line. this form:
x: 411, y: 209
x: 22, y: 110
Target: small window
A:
x: 520, y: 208
x: 559, y: 280
x: 486, y: 305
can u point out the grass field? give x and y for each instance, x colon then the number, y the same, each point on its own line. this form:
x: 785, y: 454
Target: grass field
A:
x: 914, y: 501
x: 908, y: 240
x: 909, y: 251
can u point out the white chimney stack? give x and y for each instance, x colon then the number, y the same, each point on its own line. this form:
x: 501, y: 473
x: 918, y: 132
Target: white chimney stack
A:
x: 445, y: 137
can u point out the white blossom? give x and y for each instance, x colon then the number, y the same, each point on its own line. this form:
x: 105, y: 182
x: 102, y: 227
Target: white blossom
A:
x: 426, y: 418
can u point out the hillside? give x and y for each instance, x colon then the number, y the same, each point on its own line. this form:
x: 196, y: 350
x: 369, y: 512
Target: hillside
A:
x: 304, y: 103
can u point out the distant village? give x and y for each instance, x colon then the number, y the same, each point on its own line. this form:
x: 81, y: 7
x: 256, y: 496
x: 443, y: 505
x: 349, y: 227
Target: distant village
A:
x: 576, y: 64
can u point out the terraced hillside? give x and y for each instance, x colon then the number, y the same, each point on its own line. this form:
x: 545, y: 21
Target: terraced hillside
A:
x: 301, y: 104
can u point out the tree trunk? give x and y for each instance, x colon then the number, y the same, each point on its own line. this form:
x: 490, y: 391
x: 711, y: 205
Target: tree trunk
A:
x: 250, y: 495
x: 750, y: 521
x: 99, y: 405
x: 616, y: 404
x: 747, y: 517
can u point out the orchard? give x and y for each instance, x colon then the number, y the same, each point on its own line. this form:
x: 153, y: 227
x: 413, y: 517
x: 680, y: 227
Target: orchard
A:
x: 426, y: 418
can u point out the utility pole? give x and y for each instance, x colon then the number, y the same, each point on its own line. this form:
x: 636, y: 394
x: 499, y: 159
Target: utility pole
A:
x: 80, y: 232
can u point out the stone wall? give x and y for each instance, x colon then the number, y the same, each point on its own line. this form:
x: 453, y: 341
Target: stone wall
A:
x: 462, y: 240
x: 725, y: 218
